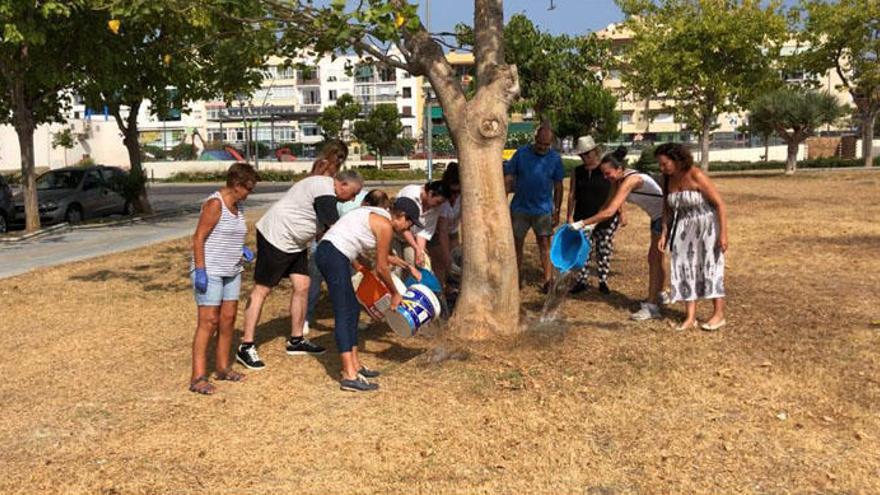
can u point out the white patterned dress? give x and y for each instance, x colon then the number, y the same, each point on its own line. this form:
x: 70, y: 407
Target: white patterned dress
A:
x: 697, y: 267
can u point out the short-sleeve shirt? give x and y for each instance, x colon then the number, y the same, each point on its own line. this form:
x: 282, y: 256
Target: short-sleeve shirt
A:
x: 292, y: 222
x: 452, y: 214
x: 427, y: 218
x: 343, y: 208
x: 536, y: 176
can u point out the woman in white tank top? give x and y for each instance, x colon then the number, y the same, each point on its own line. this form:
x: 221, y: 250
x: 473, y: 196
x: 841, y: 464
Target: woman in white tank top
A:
x: 643, y: 191
x: 360, y: 230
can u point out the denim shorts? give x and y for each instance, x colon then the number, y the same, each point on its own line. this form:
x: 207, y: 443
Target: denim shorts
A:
x: 219, y: 289
x: 657, y: 226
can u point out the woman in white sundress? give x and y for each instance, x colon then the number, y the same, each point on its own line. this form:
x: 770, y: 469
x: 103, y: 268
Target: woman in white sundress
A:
x: 696, y: 235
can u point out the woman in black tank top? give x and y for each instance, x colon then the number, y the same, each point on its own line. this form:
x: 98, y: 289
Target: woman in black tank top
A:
x: 588, y: 192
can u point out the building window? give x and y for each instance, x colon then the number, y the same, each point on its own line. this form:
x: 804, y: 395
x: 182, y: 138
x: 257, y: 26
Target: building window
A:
x: 407, y: 92
x: 310, y: 130
x: 407, y: 111
x: 626, y: 118
x: 387, y: 74
x: 407, y: 131
x: 664, y: 118
x: 332, y: 95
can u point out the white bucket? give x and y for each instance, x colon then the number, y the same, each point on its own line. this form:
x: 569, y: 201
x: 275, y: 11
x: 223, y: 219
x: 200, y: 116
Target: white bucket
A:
x: 419, y: 308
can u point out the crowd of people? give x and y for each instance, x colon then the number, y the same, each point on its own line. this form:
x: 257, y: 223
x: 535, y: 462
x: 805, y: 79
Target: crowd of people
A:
x: 327, y: 227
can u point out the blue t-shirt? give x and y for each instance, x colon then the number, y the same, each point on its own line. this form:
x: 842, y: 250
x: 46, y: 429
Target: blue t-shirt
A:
x: 536, y: 176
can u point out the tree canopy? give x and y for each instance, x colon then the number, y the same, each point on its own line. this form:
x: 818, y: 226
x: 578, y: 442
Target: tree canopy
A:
x: 707, y: 56
x: 381, y: 129
x: 334, y: 118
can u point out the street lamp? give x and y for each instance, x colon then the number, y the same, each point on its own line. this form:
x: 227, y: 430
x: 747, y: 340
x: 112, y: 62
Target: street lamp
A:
x: 429, y: 137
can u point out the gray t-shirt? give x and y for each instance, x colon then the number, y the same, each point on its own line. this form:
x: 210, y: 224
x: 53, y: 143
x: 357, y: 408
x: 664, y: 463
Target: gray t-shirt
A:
x: 292, y: 222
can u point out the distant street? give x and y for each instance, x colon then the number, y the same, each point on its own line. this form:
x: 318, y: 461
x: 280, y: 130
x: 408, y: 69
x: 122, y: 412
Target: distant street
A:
x: 165, y: 197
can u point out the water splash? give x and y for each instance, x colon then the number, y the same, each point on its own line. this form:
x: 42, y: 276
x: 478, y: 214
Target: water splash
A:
x: 562, y: 284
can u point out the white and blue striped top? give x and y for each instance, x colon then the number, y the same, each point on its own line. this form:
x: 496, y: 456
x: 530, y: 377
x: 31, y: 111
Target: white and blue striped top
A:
x: 224, y: 243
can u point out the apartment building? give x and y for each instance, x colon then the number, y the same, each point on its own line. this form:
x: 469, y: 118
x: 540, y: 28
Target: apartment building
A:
x: 652, y: 119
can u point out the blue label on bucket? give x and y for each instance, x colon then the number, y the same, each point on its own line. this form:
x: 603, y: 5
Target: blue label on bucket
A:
x: 417, y: 308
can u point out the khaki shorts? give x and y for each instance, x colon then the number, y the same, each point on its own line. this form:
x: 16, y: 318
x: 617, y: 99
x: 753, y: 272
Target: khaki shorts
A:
x: 522, y: 222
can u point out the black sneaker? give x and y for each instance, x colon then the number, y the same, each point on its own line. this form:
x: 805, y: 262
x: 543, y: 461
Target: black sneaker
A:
x: 603, y: 288
x: 304, y: 346
x: 359, y: 384
x: 578, y: 288
x: 368, y: 373
x: 248, y: 357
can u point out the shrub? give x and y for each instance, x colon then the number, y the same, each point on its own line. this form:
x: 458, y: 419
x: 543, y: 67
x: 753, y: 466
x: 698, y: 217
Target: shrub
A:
x: 183, y: 151
x: 153, y: 153
x: 129, y: 185
x: 647, y: 162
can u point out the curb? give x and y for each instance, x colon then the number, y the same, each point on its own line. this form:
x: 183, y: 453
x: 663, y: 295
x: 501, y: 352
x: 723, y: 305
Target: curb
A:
x: 34, y: 235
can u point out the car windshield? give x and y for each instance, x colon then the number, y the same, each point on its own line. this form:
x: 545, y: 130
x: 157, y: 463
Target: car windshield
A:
x: 61, y: 179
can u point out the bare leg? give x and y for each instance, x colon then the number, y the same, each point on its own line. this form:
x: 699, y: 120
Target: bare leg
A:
x: 718, y: 313
x: 690, y: 313
x: 228, y: 311
x: 299, y: 300
x: 252, y: 311
x: 518, y: 245
x: 656, y: 271
x: 349, y: 366
x: 544, y: 251
x: 207, y: 325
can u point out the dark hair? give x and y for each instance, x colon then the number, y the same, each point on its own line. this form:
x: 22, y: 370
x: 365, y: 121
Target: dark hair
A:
x: 438, y: 187
x: 676, y: 152
x: 614, y: 159
x: 334, y: 148
x: 241, y: 174
x: 450, y: 175
x: 378, y: 198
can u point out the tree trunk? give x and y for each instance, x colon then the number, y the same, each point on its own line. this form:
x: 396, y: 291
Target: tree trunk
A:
x: 868, y: 138
x: 489, y: 299
x: 705, y: 136
x: 24, y: 128
x: 130, y: 135
x: 791, y: 157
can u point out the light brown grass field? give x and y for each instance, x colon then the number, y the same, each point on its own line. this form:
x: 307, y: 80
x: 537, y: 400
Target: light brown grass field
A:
x: 786, y: 399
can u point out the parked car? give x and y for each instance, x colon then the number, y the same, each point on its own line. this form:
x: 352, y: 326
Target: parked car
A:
x: 5, y: 205
x: 73, y: 194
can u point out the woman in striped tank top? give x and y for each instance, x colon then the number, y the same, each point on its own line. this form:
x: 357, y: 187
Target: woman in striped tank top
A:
x: 643, y: 191
x: 218, y: 248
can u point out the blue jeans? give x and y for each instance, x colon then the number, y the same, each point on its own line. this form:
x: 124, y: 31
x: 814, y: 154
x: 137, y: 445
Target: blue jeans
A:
x: 314, y: 282
x: 219, y: 289
x: 336, y: 269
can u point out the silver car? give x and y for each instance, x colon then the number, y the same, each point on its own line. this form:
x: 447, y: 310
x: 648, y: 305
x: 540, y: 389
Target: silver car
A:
x: 74, y: 194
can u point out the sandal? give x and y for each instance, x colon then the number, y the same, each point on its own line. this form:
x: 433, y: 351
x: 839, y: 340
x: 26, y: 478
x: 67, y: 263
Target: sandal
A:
x: 201, y: 385
x: 230, y: 375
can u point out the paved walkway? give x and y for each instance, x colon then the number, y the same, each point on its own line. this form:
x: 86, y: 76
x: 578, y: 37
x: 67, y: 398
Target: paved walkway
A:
x: 76, y: 245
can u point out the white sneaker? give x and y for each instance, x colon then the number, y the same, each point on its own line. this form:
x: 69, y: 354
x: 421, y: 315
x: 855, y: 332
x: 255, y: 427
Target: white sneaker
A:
x: 648, y: 311
x: 665, y: 298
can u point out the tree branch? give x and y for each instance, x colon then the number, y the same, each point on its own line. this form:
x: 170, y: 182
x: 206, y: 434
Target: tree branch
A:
x: 489, y: 38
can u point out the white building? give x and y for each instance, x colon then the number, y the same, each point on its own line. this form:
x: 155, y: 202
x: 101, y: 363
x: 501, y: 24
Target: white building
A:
x: 283, y: 110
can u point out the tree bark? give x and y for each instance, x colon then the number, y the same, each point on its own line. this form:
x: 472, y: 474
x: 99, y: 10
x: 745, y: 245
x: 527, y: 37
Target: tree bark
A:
x: 868, y: 138
x: 791, y: 157
x: 705, y: 136
x: 24, y: 128
x: 130, y: 135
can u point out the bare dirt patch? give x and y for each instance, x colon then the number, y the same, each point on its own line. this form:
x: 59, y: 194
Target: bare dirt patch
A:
x: 786, y: 399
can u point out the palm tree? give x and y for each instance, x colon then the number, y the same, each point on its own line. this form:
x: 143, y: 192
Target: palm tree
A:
x: 794, y: 114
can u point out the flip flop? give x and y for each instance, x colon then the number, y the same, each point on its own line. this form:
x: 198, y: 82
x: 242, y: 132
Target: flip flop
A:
x: 206, y: 389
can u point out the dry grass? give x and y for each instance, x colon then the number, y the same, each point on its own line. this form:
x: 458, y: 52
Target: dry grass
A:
x: 97, y: 357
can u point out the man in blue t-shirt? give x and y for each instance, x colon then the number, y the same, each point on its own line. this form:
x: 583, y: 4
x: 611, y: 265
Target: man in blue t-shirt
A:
x: 534, y: 174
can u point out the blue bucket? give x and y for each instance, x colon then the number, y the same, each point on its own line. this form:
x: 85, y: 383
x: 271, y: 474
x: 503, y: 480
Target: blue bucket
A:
x: 570, y: 249
x: 419, y: 308
x: 429, y: 280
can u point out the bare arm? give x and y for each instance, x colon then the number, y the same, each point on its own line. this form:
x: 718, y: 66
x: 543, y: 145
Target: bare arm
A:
x: 381, y: 228
x: 710, y: 192
x: 207, y: 221
x: 617, y: 198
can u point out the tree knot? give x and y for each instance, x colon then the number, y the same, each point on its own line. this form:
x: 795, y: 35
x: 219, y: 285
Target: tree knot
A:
x: 490, y: 128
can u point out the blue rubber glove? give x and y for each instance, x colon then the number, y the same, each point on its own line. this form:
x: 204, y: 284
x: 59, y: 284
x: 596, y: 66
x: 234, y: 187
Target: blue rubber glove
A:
x: 247, y: 254
x: 201, y: 281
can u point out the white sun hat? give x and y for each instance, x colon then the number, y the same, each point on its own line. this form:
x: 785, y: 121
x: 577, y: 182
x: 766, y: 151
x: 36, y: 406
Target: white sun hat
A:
x: 585, y: 144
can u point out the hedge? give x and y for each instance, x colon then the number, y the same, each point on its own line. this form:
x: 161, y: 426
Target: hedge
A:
x: 368, y: 173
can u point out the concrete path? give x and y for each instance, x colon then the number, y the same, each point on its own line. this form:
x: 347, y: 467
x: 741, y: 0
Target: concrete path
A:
x: 76, y: 245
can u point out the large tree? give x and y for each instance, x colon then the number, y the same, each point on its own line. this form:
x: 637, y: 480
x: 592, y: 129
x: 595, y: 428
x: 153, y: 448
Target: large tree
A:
x: 169, y: 56
x: 707, y: 56
x: 844, y: 35
x: 334, y: 120
x: 489, y: 300
x: 380, y: 131
x: 794, y: 114
x: 40, y: 59
x: 560, y: 77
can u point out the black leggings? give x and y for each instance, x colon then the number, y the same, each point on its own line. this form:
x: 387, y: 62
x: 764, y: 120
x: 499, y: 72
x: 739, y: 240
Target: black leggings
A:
x: 602, y: 241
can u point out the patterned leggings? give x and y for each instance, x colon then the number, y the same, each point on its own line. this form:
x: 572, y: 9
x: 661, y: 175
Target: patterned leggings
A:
x: 603, y: 248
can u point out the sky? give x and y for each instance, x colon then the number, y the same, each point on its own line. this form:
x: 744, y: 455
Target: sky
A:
x: 569, y: 16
